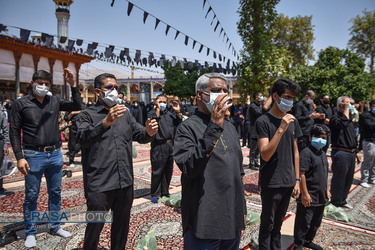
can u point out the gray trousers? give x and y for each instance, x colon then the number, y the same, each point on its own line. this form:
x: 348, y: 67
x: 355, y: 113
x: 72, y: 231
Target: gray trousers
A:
x: 368, y: 164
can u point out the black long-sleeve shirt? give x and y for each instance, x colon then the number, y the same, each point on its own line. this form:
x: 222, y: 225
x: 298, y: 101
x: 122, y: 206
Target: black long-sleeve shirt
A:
x: 255, y: 111
x: 167, y: 122
x: 302, y: 112
x: 39, y: 121
x: 210, y: 158
x: 368, y: 126
x: 323, y: 109
x: 107, y: 152
x: 343, y: 131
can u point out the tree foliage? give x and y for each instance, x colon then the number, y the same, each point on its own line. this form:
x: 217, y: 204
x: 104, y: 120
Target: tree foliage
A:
x: 363, y: 38
x: 296, y: 36
x: 259, y: 56
x: 337, y: 72
x: 181, y: 82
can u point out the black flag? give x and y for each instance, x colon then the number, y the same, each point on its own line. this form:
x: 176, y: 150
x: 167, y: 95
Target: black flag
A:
x: 24, y: 34
x: 130, y: 7
x: 167, y: 30
x: 177, y: 33
x: 186, y: 40
x: 157, y: 21
x: 145, y: 15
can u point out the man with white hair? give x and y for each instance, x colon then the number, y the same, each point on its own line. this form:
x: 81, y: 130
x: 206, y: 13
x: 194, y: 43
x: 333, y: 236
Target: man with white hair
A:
x: 344, y: 150
x: 208, y: 152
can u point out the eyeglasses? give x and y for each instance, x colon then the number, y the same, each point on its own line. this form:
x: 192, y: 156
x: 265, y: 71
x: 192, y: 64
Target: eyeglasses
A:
x: 110, y: 87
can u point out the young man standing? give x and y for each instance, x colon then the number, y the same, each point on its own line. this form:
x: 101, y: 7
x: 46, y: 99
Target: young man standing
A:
x: 277, y: 134
x: 314, y: 191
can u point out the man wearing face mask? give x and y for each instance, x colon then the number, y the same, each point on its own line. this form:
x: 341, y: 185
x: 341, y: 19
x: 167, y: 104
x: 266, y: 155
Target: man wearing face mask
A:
x: 344, y: 150
x: 256, y: 110
x: 314, y: 189
x: 162, y: 146
x: 305, y: 114
x: 37, y: 116
x: 208, y: 152
x: 277, y: 133
x: 368, y: 137
x: 326, y: 112
x: 106, y: 131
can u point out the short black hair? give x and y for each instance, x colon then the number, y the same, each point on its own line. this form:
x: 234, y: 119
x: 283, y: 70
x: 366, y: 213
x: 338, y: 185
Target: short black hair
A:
x: 319, y: 129
x: 283, y: 84
x: 162, y: 95
x: 98, y: 82
x: 121, y: 93
x: 372, y: 103
x: 42, y: 75
x: 256, y: 94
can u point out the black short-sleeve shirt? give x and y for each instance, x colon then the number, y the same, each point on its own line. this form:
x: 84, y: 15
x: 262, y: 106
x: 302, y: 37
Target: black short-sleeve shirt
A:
x: 279, y: 170
x: 315, y: 164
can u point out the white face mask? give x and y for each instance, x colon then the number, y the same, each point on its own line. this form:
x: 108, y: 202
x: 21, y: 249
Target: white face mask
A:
x: 309, y: 101
x: 40, y: 90
x: 162, y: 106
x: 110, y: 97
x: 213, y: 97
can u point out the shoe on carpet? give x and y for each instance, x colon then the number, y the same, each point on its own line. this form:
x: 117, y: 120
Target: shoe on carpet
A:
x: 154, y: 199
x: 2, y: 195
x: 297, y: 247
x: 62, y: 233
x: 347, y: 206
x: 365, y: 185
x: 30, y: 241
x: 7, y: 238
x: 312, y: 245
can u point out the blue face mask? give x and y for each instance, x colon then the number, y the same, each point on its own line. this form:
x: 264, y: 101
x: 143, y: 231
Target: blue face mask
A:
x: 183, y: 103
x: 163, y: 106
x: 373, y: 110
x: 351, y: 108
x: 318, y: 143
x: 261, y: 99
x: 285, y: 105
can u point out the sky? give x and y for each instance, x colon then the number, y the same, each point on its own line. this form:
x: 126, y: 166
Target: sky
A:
x: 96, y: 20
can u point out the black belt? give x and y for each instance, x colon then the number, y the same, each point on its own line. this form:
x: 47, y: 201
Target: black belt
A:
x: 46, y: 149
x: 162, y: 141
x: 345, y: 149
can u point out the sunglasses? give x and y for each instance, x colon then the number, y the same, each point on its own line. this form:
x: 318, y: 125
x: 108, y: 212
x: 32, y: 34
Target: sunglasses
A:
x: 110, y: 87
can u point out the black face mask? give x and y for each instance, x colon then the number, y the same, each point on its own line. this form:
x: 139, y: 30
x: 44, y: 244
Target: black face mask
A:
x: 325, y: 101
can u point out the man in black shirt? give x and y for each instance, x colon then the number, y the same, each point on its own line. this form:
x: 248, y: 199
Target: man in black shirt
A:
x: 37, y: 116
x: 106, y: 131
x: 368, y: 137
x: 162, y: 146
x: 305, y: 114
x: 277, y: 134
x: 208, y: 152
x: 344, y: 149
x: 256, y: 110
x: 73, y: 145
x: 314, y: 192
x: 326, y: 112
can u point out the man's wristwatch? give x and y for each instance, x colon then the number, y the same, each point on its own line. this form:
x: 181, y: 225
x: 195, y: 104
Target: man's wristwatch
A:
x: 298, y: 179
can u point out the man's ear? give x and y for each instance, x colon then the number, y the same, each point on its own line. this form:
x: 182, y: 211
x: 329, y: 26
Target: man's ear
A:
x: 199, y: 95
x: 97, y: 92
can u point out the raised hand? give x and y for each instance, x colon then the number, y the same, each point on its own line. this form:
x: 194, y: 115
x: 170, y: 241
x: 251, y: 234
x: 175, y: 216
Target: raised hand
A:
x: 114, y: 113
x: 69, y: 77
x: 219, y: 109
x: 151, y: 127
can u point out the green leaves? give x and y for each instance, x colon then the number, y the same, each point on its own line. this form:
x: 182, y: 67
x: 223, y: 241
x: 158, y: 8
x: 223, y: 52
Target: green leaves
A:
x: 181, y: 82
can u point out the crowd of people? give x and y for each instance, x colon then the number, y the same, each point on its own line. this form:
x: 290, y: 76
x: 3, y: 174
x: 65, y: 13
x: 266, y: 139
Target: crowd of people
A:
x: 288, y: 145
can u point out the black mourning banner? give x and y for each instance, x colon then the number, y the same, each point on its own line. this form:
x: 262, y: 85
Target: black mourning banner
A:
x: 186, y: 40
x: 157, y: 21
x: 79, y: 42
x: 24, y: 34
x: 145, y: 15
x: 167, y: 30
x: 2, y: 28
x: 63, y: 39
x: 130, y: 8
x: 70, y: 44
x: 177, y: 33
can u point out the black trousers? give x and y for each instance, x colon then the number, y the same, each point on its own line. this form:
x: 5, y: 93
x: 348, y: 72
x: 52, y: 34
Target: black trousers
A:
x: 191, y: 242
x: 308, y: 220
x: 275, y: 203
x: 303, y: 142
x: 343, y: 165
x: 1, y: 164
x: 254, y: 150
x: 73, y: 145
x: 162, y: 168
x: 246, y: 134
x: 120, y: 202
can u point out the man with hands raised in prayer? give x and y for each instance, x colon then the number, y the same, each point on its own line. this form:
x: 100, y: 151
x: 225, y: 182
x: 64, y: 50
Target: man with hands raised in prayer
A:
x: 277, y: 133
x: 106, y: 131
x: 208, y: 152
x: 162, y: 146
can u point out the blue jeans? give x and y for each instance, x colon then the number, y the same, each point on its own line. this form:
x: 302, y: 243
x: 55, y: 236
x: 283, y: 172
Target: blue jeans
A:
x: 49, y: 164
